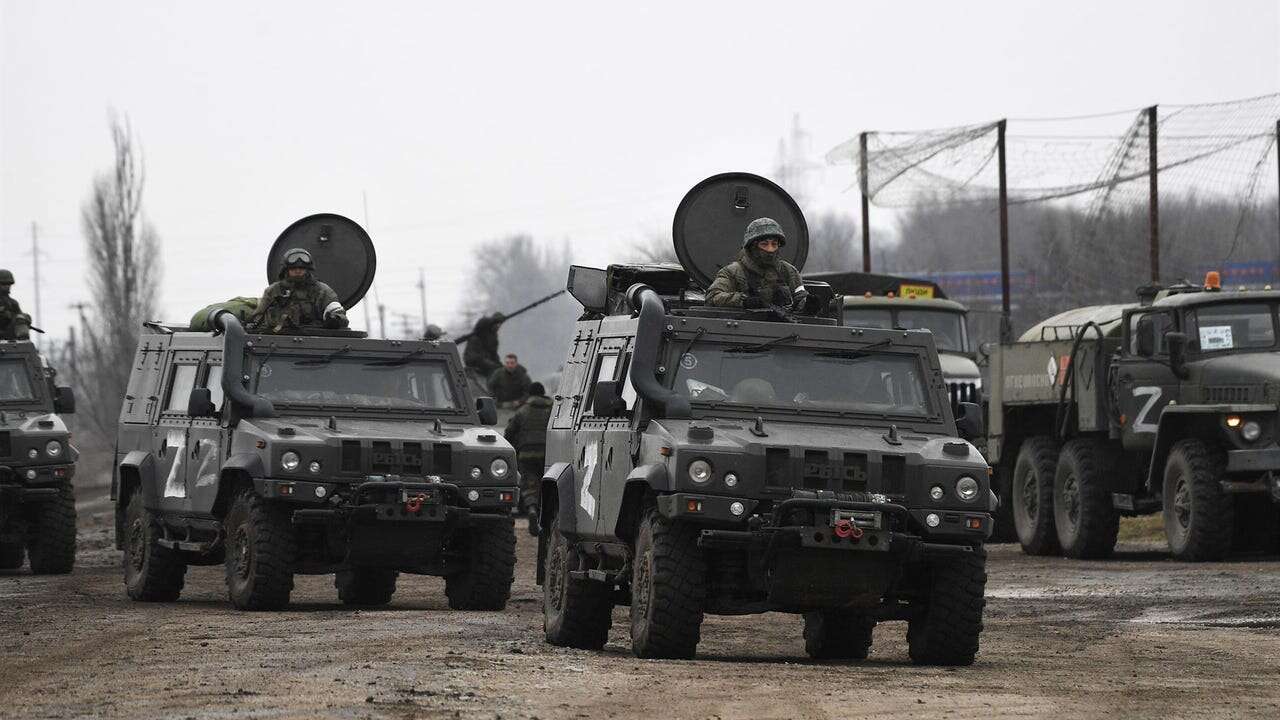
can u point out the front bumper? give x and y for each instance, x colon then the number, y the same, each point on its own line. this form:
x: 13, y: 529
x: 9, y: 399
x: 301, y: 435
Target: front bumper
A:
x: 1253, y: 460
x: 17, y: 488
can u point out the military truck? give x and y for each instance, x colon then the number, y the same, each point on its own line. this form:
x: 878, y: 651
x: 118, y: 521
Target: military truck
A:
x: 323, y: 452
x: 729, y: 461
x: 37, y: 463
x: 1168, y: 404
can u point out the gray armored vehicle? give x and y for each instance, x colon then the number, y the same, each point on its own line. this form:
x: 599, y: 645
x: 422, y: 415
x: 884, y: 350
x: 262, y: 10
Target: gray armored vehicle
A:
x: 1164, y: 405
x: 709, y: 460
x: 323, y: 452
x: 37, y: 462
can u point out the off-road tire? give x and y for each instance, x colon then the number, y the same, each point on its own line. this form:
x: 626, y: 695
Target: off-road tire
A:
x: 837, y: 635
x: 945, y: 628
x: 485, y: 584
x: 365, y: 587
x: 1032, y: 496
x: 51, y: 534
x: 152, y: 572
x: 1083, y: 514
x: 668, y: 589
x: 575, y: 613
x: 1198, y: 515
x: 1003, y: 530
x: 11, y: 556
x: 261, y: 549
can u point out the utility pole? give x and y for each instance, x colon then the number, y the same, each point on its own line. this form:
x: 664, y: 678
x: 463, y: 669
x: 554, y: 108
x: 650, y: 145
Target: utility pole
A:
x: 382, y: 321
x: 866, y: 211
x: 35, y: 267
x: 422, y: 295
x: 1277, y: 276
x: 1006, y: 322
x: 1153, y: 174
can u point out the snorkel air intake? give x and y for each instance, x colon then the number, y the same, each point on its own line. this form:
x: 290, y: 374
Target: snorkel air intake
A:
x: 233, y: 366
x: 644, y: 360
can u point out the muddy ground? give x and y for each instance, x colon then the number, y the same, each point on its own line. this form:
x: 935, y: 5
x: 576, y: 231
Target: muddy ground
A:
x: 1135, y: 637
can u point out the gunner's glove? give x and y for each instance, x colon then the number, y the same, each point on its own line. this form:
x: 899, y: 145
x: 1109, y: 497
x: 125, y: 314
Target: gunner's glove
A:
x: 335, y: 316
x: 752, y: 302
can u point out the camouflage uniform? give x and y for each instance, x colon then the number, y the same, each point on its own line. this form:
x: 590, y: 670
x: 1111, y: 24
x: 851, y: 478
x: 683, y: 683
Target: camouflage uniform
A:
x: 293, y: 304
x: 14, y: 324
x: 527, y: 433
x: 749, y: 277
x: 482, y: 349
x: 508, y: 386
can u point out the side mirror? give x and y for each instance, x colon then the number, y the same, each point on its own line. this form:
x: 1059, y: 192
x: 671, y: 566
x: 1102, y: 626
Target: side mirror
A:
x: 607, y: 400
x: 64, y: 400
x: 200, y: 403
x: 969, y: 424
x: 985, y: 349
x: 1146, y: 336
x: 1177, y: 344
x: 488, y: 409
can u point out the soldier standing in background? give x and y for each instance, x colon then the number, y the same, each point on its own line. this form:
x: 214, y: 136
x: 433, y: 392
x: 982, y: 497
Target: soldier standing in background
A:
x: 481, y: 354
x: 14, y: 324
x: 297, y: 300
x: 510, y: 383
x: 527, y: 433
x: 758, y: 278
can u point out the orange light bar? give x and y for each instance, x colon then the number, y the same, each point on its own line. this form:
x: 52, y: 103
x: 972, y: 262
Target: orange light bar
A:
x: 1212, y: 280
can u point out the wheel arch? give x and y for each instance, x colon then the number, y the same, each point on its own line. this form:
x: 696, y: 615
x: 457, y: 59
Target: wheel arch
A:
x: 1177, y: 423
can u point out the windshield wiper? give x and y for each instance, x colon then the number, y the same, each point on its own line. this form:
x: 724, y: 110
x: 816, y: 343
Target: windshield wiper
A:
x: 759, y: 347
x: 326, y: 359
x: 402, y: 360
x: 257, y: 374
x: 855, y: 354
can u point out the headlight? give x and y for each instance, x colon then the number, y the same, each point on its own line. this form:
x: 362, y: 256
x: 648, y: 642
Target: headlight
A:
x: 737, y: 508
x: 476, y: 472
x: 932, y: 520
x: 53, y: 448
x: 730, y: 480
x: 498, y: 468
x: 967, y: 488
x: 289, y: 461
x: 1251, y: 431
x: 474, y: 495
x: 314, y: 466
x: 33, y: 453
x: 936, y: 492
x: 699, y: 471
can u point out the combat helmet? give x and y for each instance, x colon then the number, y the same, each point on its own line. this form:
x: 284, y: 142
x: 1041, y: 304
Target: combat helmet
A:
x: 6, y: 277
x: 297, y: 258
x: 762, y: 228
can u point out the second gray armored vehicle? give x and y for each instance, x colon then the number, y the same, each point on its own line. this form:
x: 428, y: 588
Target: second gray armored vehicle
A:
x: 710, y: 460
x: 317, y: 452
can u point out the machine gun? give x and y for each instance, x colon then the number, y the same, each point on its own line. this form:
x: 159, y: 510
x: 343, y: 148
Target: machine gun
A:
x: 463, y: 338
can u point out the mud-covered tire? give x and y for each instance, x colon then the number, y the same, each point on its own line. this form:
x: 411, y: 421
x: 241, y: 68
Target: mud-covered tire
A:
x: 11, y: 556
x: 1198, y: 516
x: 261, y: 549
x: 485, y: 584
x: 1032, y: 496
x: 946, y: 626
x: 51, y: 534
x: 365, y: 587
x: 152, y: 572
x: 575, y: 613
x: 668, y: 589
x: 1003, y: 529
x: 837, y: 635
x: 1083, y: 514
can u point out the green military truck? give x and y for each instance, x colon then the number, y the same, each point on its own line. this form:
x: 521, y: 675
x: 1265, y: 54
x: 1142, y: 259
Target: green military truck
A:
x: 1165, y: 405
x: 37, y: 463
x: 314, y: 453
x: 729, y: 461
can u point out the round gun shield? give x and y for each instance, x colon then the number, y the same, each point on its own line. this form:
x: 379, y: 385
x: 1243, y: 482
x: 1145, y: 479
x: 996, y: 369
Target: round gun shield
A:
x: 713, y: 216
x: 341, y: 249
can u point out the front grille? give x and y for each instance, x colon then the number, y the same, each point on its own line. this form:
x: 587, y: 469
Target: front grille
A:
x: 1229, y: 394
x: 835, y: 472
x: 6, y: 446
x: 893, y: 475
x: 963, y: 392
x: 384, y: 457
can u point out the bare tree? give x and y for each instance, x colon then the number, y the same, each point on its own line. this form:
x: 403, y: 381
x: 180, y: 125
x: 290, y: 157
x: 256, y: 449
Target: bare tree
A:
x: 124, y: 275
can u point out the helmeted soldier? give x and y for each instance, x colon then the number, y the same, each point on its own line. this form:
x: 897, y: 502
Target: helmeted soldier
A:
x: 297, y: 300
x: 14, y: 324
x: 481, y: 354
x: 758, y: 277
x: 527, y: 433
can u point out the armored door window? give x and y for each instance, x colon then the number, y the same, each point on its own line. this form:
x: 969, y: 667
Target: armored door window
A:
x: 606, y: 366
x: 213, y: 381
x: 182, y: 380
x: 1152, y: 324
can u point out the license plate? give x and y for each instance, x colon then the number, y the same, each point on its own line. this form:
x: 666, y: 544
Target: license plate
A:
x: 865, y: 519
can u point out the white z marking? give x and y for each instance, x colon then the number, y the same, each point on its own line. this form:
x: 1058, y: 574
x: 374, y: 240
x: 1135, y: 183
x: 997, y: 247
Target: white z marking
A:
x: 1141, y: 424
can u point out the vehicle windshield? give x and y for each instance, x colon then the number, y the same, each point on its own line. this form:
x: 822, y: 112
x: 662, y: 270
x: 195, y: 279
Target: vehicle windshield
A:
x: 15, y: 385
x: 848, y: 380
x: 353, y: 382
x: 1231, y: 326
x: 947, y: 326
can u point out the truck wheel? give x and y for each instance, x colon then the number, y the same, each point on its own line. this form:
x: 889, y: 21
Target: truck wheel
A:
x: 1198, y: 515
x: 152, y: 572
x: 667, y: 589
x: 1083, y: 514
x: 51, y: 534
x: 837, y: 635
x: 260, y: 552
x: 368, y: 587
x: 575, y: 613
x: 11, y: 555
x: 1004, y: 531
x: 946, y: 629
x: 491, y: 563
x: 1032, y: 496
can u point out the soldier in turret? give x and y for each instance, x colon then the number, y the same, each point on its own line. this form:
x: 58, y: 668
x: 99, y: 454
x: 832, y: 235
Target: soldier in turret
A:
x: 759, y: 278
x: 481, y: 354
x: 14, y: 324
x: 297, y: 300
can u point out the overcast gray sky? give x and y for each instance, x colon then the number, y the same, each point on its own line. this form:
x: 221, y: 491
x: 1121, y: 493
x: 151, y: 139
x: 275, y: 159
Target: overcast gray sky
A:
x: 583, y: 122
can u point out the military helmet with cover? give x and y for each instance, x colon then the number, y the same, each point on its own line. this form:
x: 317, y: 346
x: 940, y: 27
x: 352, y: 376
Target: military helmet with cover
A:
x: 297, y: 258
x: 762, y: 228
x: 6, y: 277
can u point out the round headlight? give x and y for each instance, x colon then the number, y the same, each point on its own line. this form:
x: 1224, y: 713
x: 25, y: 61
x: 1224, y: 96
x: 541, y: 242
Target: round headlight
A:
x: 936, y: 492
x: 33, y: 453
x: 967, y: 488
x: 290, y: 460
x: 476, y: 472
x: 730, y: 480
x: 321, y: 491
x: 474, y: 495
x: 314, y: 466
x: 932, y: 520
x: 31, y: 474
x: 737, y: 508
x: 499, y: 468
x: 53, y: 448
x: 1251, y: 431
x: 699, y: 471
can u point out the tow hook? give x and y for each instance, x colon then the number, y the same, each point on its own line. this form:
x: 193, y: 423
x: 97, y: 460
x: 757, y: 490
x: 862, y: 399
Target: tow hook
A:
x: 414, y: 504
x: 846, y: 529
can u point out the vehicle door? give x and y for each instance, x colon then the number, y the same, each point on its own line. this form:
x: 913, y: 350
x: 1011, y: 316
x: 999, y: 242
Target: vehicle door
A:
x: 172, y: 429
x: 1145, y: 383
x: 590, y: 461
x: 618, y: 443
x: 205, y: 442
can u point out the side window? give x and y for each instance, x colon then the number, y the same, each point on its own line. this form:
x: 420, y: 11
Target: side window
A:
x: 213, y: 381
x: 182, y: 379
x: 606, y: 365
x: 628, y: 390
x: 1161, y: 323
